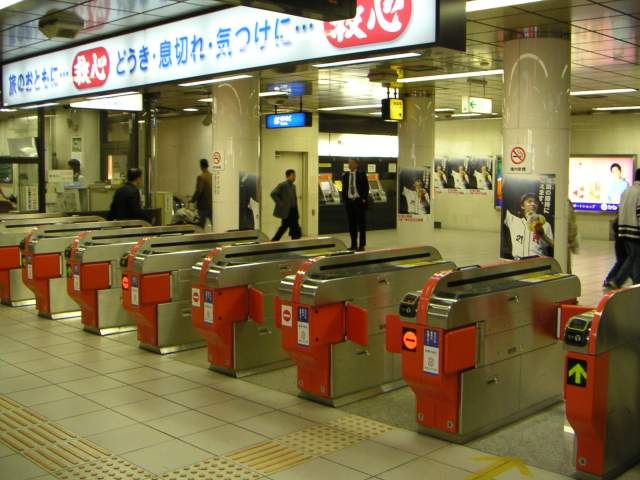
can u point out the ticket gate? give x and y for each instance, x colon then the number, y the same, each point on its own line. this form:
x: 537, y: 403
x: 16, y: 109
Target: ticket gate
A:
x: 331, y: 314
x: 94, y: 274
x: 234, y: 292
x: 602, y: 395
x: 12, y: 231
x: 158, y: 294
x: 44, y: 265
x: 479, y: 345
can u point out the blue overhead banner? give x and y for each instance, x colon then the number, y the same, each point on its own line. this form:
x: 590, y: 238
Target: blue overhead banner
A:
x: 289, y: 120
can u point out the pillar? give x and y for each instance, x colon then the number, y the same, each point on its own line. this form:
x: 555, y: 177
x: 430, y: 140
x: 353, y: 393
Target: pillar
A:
x: 235, y: 152
x: 536, y: 118
x: 416, y: 151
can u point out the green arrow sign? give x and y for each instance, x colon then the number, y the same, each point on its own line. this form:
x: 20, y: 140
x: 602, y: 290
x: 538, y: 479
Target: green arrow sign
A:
x: 576, y: 372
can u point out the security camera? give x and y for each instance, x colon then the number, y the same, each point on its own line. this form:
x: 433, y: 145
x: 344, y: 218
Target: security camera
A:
x: 60, y: 24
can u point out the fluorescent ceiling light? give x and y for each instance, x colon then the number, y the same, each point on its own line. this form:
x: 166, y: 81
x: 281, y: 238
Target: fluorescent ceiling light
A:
x: 8, y: 3
x: 111, y: 95
x: 584, y: 93
x: 477, y: 5
x: 445, y: 110
x: 376, y: 114
x: 126, y: 103
x: 351, y: 107
x: 42, y: 105
x: 214, y: 80
x: 461, y: 115
x: 190, y: 110
x: 614, y: 109
x: 367, y: 60
x: 451, y: 76
x: 7, y: 110
x: 273, y: 94
x: 206, y: 100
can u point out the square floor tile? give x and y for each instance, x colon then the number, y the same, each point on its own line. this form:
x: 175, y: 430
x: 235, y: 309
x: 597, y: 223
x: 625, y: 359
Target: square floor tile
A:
x: 25, y: 355
x: 46, y: 340
x: 138, y: 375
x: 198, y: 397
x: 95, y: 422
x: 127, y: 439
x: 23, y: 382
x: 35, y: 396
x: 5, y: 451
x: 274, y: 399
x: 240, y: 388
x: 185, y: 423
x: 224, y: 439
x: 43, y: 365
x: 12, y: 346
x: 166, y: 385
x: 9, y: 371
x: 631, y: 474
x: 409, y: 441
x: 17, y: 467
x: 180, y: 368
x: 369, y: 457
x: 149, y: 409
x: 91, y: 384
x: 67, y: 407
x: 314, y: 412
x: 424, y: 469
x: 274, y: 424
x: 203, y: 376
x: 66, y: 374
x: 116, y: 397
x: 460, y: 457
x: 320, y: 469
x: 235, y: 410
x: 111, y: 365
x: 89, y: 356
x: 68, y: 348
x: 167, y: 456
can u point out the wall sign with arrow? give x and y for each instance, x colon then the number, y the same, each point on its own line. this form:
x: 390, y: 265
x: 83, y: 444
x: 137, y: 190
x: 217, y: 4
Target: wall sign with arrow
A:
x: 577, y: 372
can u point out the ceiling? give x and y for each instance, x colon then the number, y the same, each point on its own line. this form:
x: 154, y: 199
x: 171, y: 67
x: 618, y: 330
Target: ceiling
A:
x: 604, y: 35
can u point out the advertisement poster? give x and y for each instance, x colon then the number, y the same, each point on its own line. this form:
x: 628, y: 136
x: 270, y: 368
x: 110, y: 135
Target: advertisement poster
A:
x: 471, y: 175
x: 413, y: 188
x: 597, y: 182
x: 249, y: 202
x: 497, y: 198
x: 528, y: 210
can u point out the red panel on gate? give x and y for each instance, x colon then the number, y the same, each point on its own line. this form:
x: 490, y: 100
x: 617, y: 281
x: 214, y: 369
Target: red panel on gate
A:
x: 5, y: 286
x: 393, y: 333
x: 256, y: 305
x: 326, y: 327
x: 9, y: 260
x: 152, y: 290
x: 459, y: 349
x: 46, y: 265
x: 93, y: 277
x: 357, y: 324
x: 44, y: 268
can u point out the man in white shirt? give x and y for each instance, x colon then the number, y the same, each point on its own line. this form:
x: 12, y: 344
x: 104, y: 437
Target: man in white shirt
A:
x: 460, y: 178
x: 531, y: 234
x: 483, y: 178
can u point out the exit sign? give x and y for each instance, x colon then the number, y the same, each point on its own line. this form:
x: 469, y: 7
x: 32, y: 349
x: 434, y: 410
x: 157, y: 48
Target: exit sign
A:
x: 477, y: 105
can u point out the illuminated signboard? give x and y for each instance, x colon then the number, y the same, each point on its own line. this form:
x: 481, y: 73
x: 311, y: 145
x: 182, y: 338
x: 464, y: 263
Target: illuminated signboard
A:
x: 318, y: 9
x: 224, y: 41
x: 392, y: 109
x: 289, y: 120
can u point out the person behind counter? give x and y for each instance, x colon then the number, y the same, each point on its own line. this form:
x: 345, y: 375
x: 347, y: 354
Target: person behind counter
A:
x: 78, y: 178
x: 126, y: 204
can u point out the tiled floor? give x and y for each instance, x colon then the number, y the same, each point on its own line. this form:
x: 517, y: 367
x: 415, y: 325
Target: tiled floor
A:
x: 170, y: 417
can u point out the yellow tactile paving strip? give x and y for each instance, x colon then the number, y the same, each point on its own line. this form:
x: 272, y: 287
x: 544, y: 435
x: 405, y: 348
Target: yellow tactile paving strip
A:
x: 360, y: 426
x: 319, y: 440
x: 269, y: 457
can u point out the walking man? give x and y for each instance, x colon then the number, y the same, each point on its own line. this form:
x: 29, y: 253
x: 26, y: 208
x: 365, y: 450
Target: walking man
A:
x: 355, y: 196
x: 629, y: 233
x: 126, y: 204
x: 203, y: 194
x: 286, y: 208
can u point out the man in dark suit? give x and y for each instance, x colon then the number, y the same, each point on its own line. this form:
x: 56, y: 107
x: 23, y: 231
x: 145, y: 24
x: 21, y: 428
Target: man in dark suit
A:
x: 355, y: 196
x: 126, y: 204
x: 203, y: 194
x: 286, y: 207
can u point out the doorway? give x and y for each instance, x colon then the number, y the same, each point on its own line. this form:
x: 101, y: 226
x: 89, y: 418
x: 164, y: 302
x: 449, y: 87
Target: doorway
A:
x: 273, y: 176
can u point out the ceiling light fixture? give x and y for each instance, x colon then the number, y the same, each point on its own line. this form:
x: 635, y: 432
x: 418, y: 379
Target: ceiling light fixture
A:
x: 464, y: 115
x: 444, y: 110
x: 376, y: 114
x: 42, y: 105
x: 205, y: 100
x: 357, y: 61
x: 7, y: 110
x: 273, y: 94
x: 451, y: 76
x: 351, y: 107
x: 616, y: 109
x: 112, y: 95
x: 214, y: 80
x: 190, y: 109
x: 8, y: 3
x: 477, y: 5
x: 584, y: 93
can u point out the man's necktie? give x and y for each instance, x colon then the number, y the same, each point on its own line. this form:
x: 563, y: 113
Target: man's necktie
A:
x: 352, y: 188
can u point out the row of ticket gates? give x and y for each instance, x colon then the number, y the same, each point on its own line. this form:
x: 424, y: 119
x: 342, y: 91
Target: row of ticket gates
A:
x: 479, y: 346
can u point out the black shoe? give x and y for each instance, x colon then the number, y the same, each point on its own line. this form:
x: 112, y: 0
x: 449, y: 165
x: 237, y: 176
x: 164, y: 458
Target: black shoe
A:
x: 361, y: 249
x: 353, y: 248
x: 610, y: 285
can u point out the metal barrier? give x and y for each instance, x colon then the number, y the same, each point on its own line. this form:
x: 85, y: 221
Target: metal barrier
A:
x: 602, y: 394
x: 479, y: 345
x: 158, y: 286
x: 331, y: 314
x: 236, y: 288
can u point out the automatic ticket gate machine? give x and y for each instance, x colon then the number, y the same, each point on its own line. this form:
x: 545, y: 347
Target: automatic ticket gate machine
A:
x: 159, y: 296
x: 331, y: 314
x: 479, y: 345
x: 94, y: 274
x: 236, y: 290
x: 12, y: 232
x: 602, y: 384
x: 44, y: 266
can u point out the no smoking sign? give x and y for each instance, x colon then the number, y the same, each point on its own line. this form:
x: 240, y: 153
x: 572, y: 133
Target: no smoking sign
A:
x: 519, y: 160
x: 217, y: 162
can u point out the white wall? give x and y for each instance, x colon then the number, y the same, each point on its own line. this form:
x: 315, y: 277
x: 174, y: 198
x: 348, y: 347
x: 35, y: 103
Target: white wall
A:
x: 181, y: 143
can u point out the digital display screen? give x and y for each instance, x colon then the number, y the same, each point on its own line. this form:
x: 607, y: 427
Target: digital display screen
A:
x: 597, y: 182
x: 289, y: 120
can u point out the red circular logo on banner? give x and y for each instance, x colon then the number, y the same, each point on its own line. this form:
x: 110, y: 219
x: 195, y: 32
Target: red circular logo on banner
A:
x: 376, y: 21
x: 518, y: 155
x: 90, y: 68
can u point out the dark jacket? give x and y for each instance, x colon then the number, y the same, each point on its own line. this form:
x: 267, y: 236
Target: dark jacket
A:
x: 203, y: 194
x: 126, y: 204
x: 285, y: 197
x: 362, y: 186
